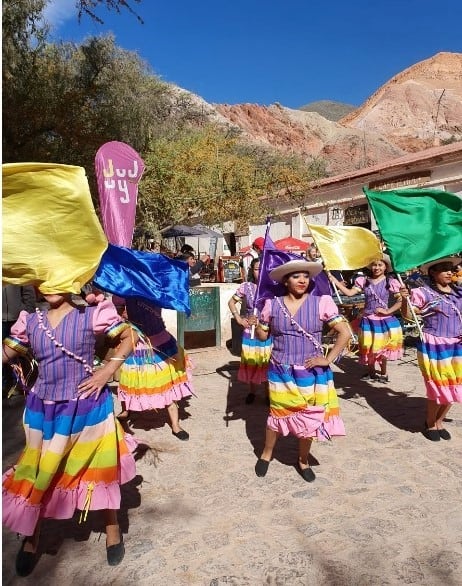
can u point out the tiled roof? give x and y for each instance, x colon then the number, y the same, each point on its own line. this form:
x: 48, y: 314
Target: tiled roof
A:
x: 448, y: 151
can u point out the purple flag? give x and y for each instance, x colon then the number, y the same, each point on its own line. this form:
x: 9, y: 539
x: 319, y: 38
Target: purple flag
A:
x: 271, y: 258
x: 118, y: 171
x: 321, y: 285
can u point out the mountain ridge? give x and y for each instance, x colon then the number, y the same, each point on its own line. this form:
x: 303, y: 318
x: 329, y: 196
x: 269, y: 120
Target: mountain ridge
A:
x: 417, y: 108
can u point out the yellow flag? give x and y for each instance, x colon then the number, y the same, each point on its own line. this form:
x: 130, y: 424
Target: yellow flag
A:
x: 52, y: 237
x: 345, y: 247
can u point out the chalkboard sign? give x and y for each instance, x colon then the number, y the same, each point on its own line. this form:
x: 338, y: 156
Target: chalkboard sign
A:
x: 205, y: 313
x: 231, y: 269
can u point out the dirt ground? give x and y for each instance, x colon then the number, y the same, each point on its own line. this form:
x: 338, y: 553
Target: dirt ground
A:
x: 385, y: 508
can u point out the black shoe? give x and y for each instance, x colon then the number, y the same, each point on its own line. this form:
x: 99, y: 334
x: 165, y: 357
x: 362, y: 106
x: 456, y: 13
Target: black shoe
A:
x: 307, y: 474
x: 444, y: 434
x: 432, y: 434
x: 25, y: 561
x: 261, y: 467
x: 382, y: 378
x: 181, y: 435
x: 369, y: 376
x: 250, y: 398
x: 115, y: 553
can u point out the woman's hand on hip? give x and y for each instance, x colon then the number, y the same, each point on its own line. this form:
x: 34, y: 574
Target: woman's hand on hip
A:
x: 93, y: 385
x: 316, y: 361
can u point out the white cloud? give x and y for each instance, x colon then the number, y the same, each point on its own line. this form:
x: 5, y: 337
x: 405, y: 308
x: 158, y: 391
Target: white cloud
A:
x: 57, y: 12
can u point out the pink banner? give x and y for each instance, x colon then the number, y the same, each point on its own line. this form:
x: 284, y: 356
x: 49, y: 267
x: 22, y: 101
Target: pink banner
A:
x: 118, y: 171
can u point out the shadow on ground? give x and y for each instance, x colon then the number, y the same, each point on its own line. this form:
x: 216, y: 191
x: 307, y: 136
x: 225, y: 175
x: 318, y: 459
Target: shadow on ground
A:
x: 255, y: 417
x: 398, y: 408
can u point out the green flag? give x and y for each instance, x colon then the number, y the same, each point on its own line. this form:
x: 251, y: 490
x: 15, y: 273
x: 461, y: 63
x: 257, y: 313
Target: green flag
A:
x: 417, y: 225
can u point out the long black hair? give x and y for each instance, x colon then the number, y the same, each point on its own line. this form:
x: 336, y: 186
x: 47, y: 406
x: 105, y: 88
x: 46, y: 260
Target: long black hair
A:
x: 250, y: 275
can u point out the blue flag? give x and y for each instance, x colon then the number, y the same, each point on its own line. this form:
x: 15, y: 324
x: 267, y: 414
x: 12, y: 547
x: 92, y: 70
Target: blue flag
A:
x: 155, y: 277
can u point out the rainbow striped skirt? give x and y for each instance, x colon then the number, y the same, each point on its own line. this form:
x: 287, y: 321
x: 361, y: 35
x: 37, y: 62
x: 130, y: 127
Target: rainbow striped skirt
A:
x: 76, y: 457
x: 303, y: 402
x: 440, y: 362
x: 380, y: 337
x: 155, y: 377
x: 255, y: 357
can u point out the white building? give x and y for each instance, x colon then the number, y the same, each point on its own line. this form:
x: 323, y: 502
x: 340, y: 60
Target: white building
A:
x: 340, y: 201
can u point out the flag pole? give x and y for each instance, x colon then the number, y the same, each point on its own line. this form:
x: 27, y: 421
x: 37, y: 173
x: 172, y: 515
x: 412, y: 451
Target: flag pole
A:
x: 408, y: 301
x: 257, y: 290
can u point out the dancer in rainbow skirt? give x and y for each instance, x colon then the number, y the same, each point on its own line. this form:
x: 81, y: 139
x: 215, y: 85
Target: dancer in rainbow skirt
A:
x: 76, y: 455
x: 380, y: 335
x: 303, y: 400
x: 255, y: 353
x: 440, y: 351
x: 158, y: 373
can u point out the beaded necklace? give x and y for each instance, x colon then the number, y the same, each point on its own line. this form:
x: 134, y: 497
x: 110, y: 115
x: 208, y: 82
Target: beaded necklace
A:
x: 445, y: 300
x: 48, y: 333
x: 298, y: 327
x: 371, y: 288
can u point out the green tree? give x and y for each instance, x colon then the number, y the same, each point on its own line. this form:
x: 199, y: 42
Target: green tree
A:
x: 208, y: 174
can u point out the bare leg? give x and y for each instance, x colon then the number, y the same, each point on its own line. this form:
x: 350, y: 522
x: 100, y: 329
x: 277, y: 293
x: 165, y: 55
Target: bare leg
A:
x: 441, y: 414
x: 113, y: 535
x: 432, y: 412
x: 270, y: 441
x: 31, y: 543
x: 174, y: 417
x: 371, y: 366
x: 251, y: 394
x: 383, y: 367
x: 124, y: 413
x: 304, y: 447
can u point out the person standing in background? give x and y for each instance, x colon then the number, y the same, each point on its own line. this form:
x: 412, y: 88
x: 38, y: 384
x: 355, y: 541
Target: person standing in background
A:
x: 254, y: 252
x: 158, y: 374
x: 255, y: 353
x: 15, y: 298
x: 439, y: 353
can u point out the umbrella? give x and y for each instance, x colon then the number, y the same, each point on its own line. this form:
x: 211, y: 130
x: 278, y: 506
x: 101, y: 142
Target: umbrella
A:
x: 181, y: 230
x: 290, y: 244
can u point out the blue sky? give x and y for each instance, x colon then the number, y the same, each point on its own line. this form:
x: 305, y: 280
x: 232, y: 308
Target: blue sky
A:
x: 292, y: 52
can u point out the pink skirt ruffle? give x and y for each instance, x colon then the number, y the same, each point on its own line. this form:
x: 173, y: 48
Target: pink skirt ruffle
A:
x: 22, y: 517
x: 302, y: 424
x: 135, y: 402
x: 308, y: 423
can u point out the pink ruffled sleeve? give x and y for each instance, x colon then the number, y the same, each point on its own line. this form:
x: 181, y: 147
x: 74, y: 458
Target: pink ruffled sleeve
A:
x: 265, y: 315
x: 359, y: 283
x: 18, y: 330
x: 418, y: 297
x: 107, y: 321
x: 18, y: 339
x: 240, y: 293
x: 395, y: 285
x: 327, y: 308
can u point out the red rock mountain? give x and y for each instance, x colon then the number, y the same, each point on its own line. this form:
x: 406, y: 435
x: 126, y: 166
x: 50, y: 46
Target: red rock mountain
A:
x: 416, y: 109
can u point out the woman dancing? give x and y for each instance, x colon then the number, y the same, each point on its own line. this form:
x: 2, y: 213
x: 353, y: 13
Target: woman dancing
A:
x: 303, y: 400
x: 255, y: 353
x: 158, y: 373
x: 440, y: 351
x: 380, y: 335
x: 76, y: 455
